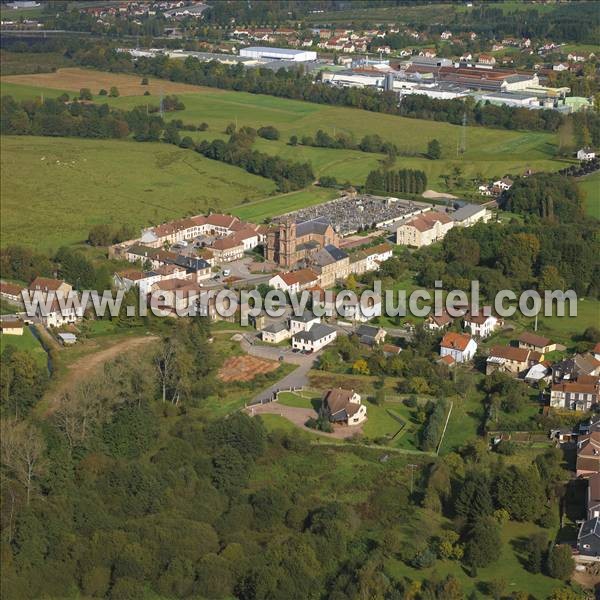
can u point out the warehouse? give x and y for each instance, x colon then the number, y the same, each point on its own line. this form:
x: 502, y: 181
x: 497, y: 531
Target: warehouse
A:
x: 279, y: 54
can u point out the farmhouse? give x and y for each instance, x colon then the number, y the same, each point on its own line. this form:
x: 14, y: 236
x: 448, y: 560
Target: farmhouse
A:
x: 532, y: 341
x: 424, y: 229
x: 275, y: 333
x: 315, y: 338
x: 461, y: 347
x: 10, y: 291
x: 512, y: 360
x: 14, y: 327
x: 343, y: 406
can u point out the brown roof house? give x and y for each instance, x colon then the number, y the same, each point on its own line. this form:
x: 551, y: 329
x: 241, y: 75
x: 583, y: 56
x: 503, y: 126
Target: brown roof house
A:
x: 593, y: 496
x: 588, y: 454
x: 424, y: 229
x: 509, y: 359
x: 343, y: 406
x: 533, y: 341
x: 581, y: 394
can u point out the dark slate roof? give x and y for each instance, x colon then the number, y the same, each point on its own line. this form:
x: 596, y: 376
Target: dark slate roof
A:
x: 590, y: 527
x: 335, y: 252
x: 316, y: 332
x: 305, y: 317
x: 318, y: 225
x: 466, y: 211
x: 368, y: 330
x: 192, y: 263
x: 276, y: 327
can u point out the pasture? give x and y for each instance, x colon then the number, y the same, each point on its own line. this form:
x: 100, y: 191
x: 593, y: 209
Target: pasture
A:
x: 54, y: 189
x: 490, y: 153
x: 591, y: 188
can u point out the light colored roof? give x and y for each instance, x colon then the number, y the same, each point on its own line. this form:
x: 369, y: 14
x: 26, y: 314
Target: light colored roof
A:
x: 466, y: 211
x: 67, y: 337
x: 276, y: 327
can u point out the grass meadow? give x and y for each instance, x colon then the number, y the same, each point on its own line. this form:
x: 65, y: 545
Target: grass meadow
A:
x: 68, y: 185
x: 591, y: 188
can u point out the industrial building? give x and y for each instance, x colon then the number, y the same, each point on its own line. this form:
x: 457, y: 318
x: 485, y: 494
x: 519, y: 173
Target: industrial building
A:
x: 278, y: 54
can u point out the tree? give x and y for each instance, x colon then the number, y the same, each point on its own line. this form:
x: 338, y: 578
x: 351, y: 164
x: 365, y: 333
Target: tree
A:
x: 85, y: 94
x: 100, y: 235
x: 434, y: 150
x: 360, y: 367
x: 560, y: 562
x: 268, y: 133
x: 102, y: 92
x: 483, y: 542
x: 144, y: 81
x: 230, y: 129
x: 23, y: 449
x: 519, y: 492
x: 114, y: 92
x: 294, y: 140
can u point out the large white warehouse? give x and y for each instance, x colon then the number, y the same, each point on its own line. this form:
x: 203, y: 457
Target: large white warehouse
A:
x: 278, y: 54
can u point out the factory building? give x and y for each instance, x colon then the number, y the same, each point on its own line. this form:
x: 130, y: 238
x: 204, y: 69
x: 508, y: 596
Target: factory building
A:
x: 278, y: 54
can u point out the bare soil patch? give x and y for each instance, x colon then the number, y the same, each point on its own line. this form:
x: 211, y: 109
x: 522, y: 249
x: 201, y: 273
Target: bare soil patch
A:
x: 73, y: 79
x: 245, y: 368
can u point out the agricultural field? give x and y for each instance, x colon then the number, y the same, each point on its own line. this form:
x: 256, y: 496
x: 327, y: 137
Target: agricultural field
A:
x: 68, y: 185
x: 74, y: 78
x: 13, y: 63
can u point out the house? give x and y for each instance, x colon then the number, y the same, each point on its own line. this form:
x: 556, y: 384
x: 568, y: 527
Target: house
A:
x: 588, y: 454
x: 503, y: 184
x: 294, y: 281
x: 176, y: 294
x: 370, y: 259
x: 14, y: 327
x: 446, y: 360
x: 428, y: 52
x: 560, y: 67
x: 369, y: 335
x: 461, y: 347
x: 149, y: 256
x: 532, y: 341
x: 10, y: 291
x: 45, y: 285
x: 585, y: 154
x: 509, y: 359
x: 314, y: 339
x: 588, y: 538
x: 468, y: 57
x: 144, y: 280
x: 425, y: 229
x: 574, y: 367
x: 482, y: 325
x: 331, y: 264
x: 486, y: 59
x: 446, y: 35
x: 581, y: 394
x: 437, y: 322
x: 275, y: 333
x: 195, y: 268
x: 343, y: 406
x: 593, y: 496
x: 227, y: 249
x: 303, y: 322
x: 469, y: 214
x: 537, y: 374
x: 391, y: 349
x: 54, y: 316
x: 361, y: 311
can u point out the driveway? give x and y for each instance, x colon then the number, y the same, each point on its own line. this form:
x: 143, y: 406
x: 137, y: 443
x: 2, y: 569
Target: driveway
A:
x: 299, y: 416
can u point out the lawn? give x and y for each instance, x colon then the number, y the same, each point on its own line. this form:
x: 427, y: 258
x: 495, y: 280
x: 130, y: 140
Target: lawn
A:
x: 70, y: 184
x: 591, y: 188
x: 27, y: 342
x: 508, y: 567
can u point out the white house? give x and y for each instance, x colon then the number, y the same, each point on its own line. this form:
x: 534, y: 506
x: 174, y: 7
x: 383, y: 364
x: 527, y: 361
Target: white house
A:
x: 275, y: 333
x: 55, y: 317
x: 585, y: 154
x: 459, y: 346
x: 294, y: 281
x: 314, y: 339
x: 143, y: 280
x: 425, y: 229
x: 482, y: 325
x: 503, y: 184
x: 343, y: 406
x: 11, y: 327
x: 469, y: 214
x: 303, y: 322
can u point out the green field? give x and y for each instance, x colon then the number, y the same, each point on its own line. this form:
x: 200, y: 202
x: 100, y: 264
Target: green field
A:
x: 16, y: 63
x: 71, y: 184
x: 591, y: 188
x: 27, y: 341
x: 67, y: 185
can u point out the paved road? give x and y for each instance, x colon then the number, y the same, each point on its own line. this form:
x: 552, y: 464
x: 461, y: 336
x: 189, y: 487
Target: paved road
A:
x: 298, y: 378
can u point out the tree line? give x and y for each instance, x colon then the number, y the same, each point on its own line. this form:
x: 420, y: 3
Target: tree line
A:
x: 410, y: 181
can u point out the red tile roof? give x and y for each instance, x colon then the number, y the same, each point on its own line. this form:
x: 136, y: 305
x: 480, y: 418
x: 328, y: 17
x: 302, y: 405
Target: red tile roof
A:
x: 456, y: 341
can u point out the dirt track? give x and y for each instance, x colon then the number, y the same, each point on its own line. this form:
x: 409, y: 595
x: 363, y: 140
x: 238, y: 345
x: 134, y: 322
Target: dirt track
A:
x: 86, y: 365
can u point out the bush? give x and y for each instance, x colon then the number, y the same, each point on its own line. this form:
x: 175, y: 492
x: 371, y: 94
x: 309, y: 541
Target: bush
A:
x: 114, y: 92
x: 85, y: 94
x: 146, y: 93
x: 560, y: 562
x: 102, y: 92
x: 144, y: 81
x: 268, y: 133
x: 203, y: 127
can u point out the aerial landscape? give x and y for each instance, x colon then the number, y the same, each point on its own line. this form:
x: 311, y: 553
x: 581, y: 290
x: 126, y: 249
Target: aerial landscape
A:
x: 300, y: 299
